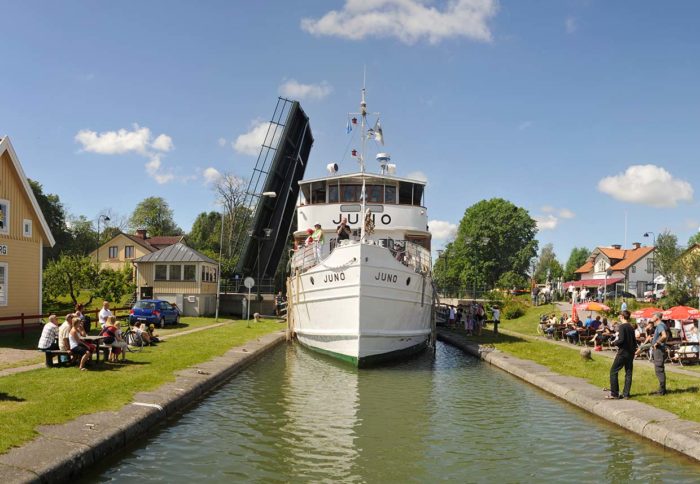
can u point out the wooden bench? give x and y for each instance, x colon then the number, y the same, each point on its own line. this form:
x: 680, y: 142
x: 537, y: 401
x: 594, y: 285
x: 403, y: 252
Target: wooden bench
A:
x: 51, y: 353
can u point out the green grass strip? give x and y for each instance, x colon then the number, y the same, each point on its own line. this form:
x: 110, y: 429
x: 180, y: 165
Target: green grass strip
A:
x: 57, y: 395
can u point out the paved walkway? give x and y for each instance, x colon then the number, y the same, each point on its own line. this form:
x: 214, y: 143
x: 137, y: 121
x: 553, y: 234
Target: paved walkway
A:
x: 11, y: 355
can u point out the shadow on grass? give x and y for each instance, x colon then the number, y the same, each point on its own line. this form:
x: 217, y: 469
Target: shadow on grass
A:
x: 681, y: 390
x: 4, y: 397
x: 15, y: 341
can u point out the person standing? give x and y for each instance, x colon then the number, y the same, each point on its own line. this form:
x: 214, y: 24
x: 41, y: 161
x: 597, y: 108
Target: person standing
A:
x: 623, y: 306
x: 626, y: 346
x: 496, y: 318
x: 343, y: 230
x: 104, y: 314
x: 318, y: 239
x: 658, y: 343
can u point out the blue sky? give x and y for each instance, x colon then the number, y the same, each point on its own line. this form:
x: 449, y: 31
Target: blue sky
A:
x: 581, y: 111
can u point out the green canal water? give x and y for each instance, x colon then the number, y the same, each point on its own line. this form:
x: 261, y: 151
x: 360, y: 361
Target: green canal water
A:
x: 296, y: 416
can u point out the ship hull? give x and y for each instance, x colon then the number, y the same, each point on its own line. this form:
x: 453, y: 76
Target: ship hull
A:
x: 362, y: 306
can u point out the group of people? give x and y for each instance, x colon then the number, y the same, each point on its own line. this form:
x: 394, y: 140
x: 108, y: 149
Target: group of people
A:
x: 585, y: 295
x: 70, y: 336
x: 472, y: 316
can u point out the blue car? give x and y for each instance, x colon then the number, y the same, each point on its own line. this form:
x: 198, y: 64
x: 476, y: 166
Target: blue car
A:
x: 154, y: 311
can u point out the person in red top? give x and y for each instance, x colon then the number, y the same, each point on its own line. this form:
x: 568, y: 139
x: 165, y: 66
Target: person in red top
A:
x: 113, y: 339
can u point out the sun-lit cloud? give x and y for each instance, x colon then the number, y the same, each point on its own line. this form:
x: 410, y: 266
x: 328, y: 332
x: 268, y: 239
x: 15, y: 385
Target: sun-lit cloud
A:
x: 249, y: 143
x: 570, y: 25
x: 138, y: 140
x: 648, y: 185
x: 211, y: 175
x: 296, y: 90
x: 442, y: 230
x: 221, y: 142
x: 546, y: 222
x: 409, y: 21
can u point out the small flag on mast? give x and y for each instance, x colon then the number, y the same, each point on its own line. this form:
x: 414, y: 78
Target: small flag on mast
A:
x: 376, y: 133
x: 348, y: 128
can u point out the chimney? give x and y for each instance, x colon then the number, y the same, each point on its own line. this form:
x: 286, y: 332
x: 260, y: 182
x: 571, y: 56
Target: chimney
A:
x: 636, y: 245
x: 141, y: 234
x: 617, y: 246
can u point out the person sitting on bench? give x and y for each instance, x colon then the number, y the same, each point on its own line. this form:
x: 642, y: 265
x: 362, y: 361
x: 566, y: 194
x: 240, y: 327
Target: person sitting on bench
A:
x: 49, y: 335
x: 77, y: 346
x: 63, y: 343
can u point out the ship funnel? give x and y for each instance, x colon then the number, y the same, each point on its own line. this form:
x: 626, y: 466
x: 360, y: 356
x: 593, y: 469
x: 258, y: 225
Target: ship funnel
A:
x: 332, y: 168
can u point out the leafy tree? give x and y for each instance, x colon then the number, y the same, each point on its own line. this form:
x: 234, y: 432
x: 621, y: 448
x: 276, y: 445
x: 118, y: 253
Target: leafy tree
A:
x: 68, y: 274
x: 84, y: 237
x: 510, y: 280
x: 55, y: 214
x: 206, y: 232
x: 694, y: 239
x: 666, y: 255
x: 494, y: 237
x: 547, y: 262
x: 154, y: 215
x: 578, y: 257
x: 114, y: 285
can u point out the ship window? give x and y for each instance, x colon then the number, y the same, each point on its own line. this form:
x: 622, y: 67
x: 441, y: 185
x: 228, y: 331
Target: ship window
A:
x: 318, y: 192
x: 350, y: 193
x: 417, y: 195
x: 405, y: 193
x: 374, y: 193
x: 390, y: 194
x: 305, y: 194
x: 333, y: 194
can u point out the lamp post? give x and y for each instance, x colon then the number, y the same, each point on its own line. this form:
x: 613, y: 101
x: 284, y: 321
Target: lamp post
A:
x: 106, y: 219
x: 267, y: 235
x: 653, y: 263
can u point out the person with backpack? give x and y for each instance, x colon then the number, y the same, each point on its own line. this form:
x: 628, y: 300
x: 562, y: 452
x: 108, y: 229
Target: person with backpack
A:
x: 114, y: 339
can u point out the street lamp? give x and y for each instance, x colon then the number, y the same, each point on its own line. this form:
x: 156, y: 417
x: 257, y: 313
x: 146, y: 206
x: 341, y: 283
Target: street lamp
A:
x: 653, y: 263
x: 106, y: 219
x: 267, y: 235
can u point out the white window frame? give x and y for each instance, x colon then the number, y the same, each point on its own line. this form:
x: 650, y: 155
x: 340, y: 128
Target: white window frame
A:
x: 7, y: 278
x: 27, y: 223
x: 6, y: 230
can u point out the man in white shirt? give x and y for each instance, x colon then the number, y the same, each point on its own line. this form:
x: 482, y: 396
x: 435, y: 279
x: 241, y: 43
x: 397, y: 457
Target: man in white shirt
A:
x: 49, y: 335
x: 496, y: 318
x: 104, y: 314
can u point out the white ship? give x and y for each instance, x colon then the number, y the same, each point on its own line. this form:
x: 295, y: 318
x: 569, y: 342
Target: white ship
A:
x: 368, y: 298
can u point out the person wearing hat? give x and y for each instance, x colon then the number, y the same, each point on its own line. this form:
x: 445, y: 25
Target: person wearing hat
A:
x: 318, y: 239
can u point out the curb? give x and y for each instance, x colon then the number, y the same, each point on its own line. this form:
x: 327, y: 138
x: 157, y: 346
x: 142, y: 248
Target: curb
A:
x: 64, y: 452
x: 649, y: 422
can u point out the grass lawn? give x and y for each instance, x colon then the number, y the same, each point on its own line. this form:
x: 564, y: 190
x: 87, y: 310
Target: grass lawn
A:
x: 57, y: 395
x: 684, y: 391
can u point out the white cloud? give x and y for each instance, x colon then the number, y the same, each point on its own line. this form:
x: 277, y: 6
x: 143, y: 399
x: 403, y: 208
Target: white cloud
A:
x: 546, y: 222
x: 647, y: 185
x: 417, y: 175
x: 524, y: 125
x: 211, y: 175
x: 409, y: 21
x: 442, y: 230
x: 249, y: 143
x: 570, y: 25
x: 566, y: 213
x: 547, y: 208
x: 222, y: 142
x: 295, y: 90
x: 139, y: 141
x: 162, y: 143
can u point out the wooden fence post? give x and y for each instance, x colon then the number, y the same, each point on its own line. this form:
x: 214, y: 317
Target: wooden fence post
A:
x: 22, y: 319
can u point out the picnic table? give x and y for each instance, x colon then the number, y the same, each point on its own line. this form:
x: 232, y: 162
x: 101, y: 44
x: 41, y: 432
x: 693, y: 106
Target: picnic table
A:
x: 97, y: 341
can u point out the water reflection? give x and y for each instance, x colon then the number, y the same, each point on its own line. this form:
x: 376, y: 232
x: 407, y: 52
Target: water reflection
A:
x: 299, y: 416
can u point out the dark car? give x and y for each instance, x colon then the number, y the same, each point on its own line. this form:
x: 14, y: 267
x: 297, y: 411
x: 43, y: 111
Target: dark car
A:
x: 620, y: 295
x: 154, y: 311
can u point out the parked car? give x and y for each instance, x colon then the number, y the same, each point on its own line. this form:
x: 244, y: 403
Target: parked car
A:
x: 154, y: 311
x: 620, y: 294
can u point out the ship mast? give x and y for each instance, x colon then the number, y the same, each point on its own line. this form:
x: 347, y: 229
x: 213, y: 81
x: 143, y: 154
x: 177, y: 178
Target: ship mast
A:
x: 363, y: 114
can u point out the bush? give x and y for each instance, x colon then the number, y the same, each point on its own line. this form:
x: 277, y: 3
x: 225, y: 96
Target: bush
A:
x: 513, y: 309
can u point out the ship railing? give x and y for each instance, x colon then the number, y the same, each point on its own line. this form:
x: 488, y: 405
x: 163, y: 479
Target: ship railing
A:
x: 409, y: 254
x: 304, y: 258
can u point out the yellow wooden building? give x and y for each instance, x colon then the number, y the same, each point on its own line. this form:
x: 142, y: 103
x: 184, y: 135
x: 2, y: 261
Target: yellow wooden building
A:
x: 123, y: 249
x: 23, y: 235
x: 181, y: 275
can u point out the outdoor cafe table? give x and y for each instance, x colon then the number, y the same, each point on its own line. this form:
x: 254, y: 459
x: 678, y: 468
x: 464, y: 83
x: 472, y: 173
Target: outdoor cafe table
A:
x: 97, y: 340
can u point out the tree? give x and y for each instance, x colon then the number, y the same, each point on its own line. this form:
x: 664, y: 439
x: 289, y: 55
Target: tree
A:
x: 114, y: 285
x: 578, y: 257
x: 206, y: 232
x: 154, y: 215
x: 84, y: 236
x: 666, y: 255
x: 547, y: 265
x: 68, y: 274
x: 231, y: 195
x: 494, y: 237
x: 694, y: 239
x: 510, y: 280
x: 55, y: 215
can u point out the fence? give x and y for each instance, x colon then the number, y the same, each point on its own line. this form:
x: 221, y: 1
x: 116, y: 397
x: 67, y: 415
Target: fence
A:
x: 23, y: 318
x: 461, y: 292
x: 235, y: 286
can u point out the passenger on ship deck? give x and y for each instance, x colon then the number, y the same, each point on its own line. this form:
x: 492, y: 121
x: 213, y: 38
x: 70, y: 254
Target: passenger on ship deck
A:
x: 318, y: 239
x: 344, y: 231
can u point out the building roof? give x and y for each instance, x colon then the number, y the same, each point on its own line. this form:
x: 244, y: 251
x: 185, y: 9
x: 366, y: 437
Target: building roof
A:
x: 176, y: 253
x: 620, y: 259
x: 5, y: 145
x: 162, y: 241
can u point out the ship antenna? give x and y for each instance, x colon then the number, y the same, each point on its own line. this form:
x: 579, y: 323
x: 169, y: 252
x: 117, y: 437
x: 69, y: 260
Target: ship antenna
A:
x: 363, y: 113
